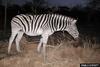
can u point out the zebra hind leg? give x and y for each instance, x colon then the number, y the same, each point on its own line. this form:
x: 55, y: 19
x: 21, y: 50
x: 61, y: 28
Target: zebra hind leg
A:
x: 11, y: 39
x: 18, y: 38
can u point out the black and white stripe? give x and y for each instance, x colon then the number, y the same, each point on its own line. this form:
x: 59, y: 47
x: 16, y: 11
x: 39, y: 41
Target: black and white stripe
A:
x: 31, y: 23
x: 44, y: 25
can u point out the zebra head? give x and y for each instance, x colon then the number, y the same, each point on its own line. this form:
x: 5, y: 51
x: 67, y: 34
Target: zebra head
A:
x: 72, y: 28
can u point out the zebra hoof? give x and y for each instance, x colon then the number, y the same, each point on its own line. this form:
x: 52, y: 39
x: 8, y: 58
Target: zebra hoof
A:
x: 8, y: 52
x: 38, y: 50
x: 19, y: 51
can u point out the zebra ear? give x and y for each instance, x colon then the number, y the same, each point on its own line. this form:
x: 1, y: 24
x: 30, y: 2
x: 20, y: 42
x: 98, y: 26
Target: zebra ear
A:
x: 74, y: 21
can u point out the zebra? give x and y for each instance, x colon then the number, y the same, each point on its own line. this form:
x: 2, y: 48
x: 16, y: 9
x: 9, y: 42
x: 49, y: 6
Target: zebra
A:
x: 44, y: 25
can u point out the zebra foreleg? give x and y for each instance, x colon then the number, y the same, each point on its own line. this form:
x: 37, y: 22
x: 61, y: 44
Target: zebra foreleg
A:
x: 45, y: 39
x: 39, y: 45
x: 18, y: 38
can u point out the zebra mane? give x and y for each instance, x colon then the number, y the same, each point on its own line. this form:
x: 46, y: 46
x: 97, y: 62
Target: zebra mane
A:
x: 52, y: 14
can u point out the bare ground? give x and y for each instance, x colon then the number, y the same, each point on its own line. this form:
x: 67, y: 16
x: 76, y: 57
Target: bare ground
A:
x: 61, y: 55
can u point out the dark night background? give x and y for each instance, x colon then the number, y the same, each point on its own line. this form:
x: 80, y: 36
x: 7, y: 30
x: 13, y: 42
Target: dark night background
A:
x: 62, y: 50
x: 87, y: 12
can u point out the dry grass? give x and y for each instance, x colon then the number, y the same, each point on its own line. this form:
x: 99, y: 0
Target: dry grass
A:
x: 62, y: 55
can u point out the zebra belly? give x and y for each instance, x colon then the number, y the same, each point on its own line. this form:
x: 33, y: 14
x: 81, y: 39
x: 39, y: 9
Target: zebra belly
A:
x: 33, y: 33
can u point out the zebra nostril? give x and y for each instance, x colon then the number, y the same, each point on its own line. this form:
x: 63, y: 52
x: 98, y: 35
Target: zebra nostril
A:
x: 76, y: 39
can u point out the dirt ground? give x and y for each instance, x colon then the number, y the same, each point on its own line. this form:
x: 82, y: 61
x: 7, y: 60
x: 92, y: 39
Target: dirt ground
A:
x: 60, y: 55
